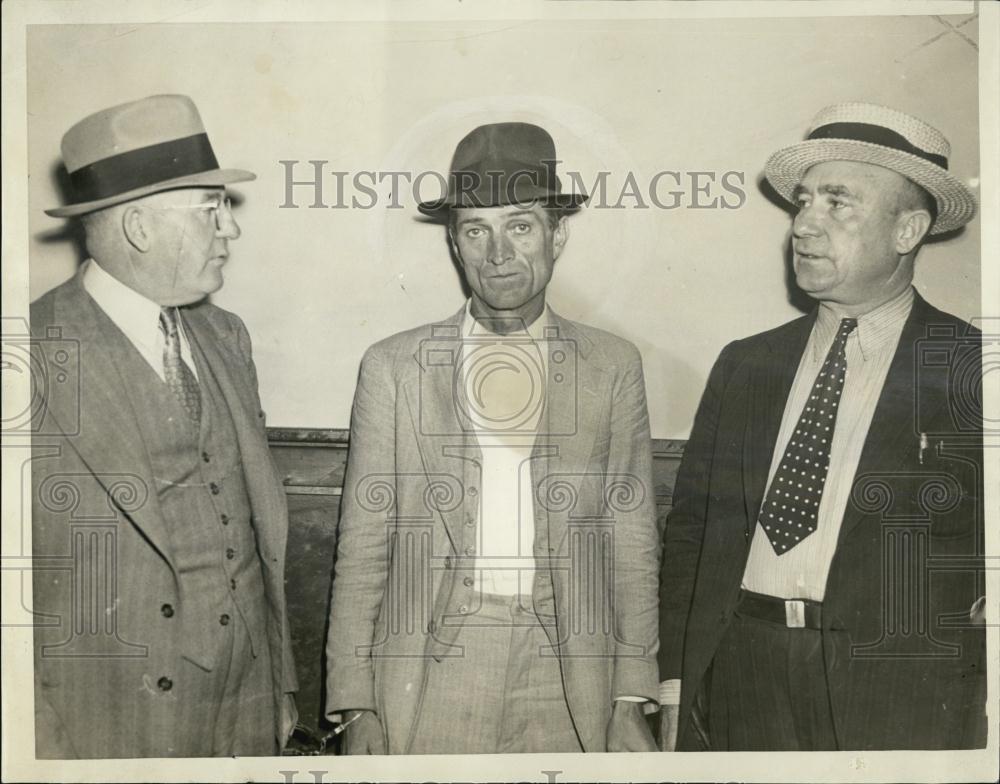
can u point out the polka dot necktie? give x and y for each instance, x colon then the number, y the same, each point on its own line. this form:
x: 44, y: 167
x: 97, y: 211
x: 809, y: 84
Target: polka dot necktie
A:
x: 177, y: 374
x: 790, y: 511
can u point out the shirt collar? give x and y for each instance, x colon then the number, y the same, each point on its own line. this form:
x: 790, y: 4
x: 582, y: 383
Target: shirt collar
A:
x: 535, y: 330
x: 132, y: 313
x: 877, y: 330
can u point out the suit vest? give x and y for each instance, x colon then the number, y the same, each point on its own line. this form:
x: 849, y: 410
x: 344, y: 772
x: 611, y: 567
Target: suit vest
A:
x: 203, y: 496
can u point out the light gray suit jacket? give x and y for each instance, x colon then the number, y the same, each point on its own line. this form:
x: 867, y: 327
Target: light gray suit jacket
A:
x: 94, y: 686
x: 405, y: 551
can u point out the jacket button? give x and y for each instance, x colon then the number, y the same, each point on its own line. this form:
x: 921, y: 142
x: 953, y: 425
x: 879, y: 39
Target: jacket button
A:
x: 463, y: 609
x: 447, y: 562
x: 470, y: 550
x: 214, y: 488
x: 431, y: 626
x: 230, y: 553
x: 473, y: 491
x: 470, y: 522
x: 224, y: 619
x: 165, y: 683
x: 469, y: 581
x: 167, y: 611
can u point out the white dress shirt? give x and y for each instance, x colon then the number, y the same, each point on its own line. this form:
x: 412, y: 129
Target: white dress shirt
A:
x: 137, y: 317
x: 503, y: 378
x: 801, y: 572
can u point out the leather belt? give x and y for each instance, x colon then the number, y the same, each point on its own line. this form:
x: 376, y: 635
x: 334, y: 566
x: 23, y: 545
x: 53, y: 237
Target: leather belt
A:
x: 791, y: 613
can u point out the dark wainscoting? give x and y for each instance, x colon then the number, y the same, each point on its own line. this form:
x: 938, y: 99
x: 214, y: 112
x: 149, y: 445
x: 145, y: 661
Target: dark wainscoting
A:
x: 311, y: 463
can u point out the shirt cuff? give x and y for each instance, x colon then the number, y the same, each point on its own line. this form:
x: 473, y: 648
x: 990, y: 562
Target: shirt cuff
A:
x: 648, y: 707
x: 670, y: 692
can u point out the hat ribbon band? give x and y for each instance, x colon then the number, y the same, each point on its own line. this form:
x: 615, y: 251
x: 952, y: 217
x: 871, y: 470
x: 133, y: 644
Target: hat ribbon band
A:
x: 875, y: 134
x: 144, y: 166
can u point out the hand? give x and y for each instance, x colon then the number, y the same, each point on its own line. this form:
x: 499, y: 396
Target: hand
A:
x: 289, y: 717
x: 669, y: 719
x: 627, y: 730
x: 365, y: 735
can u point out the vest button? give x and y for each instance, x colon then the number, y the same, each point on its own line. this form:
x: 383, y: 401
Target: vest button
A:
x: 205, y: 457
x: 447, y: 562
x: 431, y: 626
x: 224, y: 619
x: 232, y: 584
x: 469, y: 582
x: 167, y: 611
x: 230, y: 553
x: 224, y: 518
x: 473, y: 491
x: 470, y: 550
x: 165, y: 683
x: 214, y: 488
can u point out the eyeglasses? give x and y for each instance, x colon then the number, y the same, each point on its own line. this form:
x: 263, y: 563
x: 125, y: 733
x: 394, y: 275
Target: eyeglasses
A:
x: 222, y: 210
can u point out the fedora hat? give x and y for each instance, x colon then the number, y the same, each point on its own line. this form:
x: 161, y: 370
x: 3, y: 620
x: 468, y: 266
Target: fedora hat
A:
x: 502, y: 164
x: 868, y: 133
x: 138, y: 148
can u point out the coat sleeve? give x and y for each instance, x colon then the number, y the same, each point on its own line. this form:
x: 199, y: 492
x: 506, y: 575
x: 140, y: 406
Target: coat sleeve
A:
x: 244, y: 345
x: 362, y: 560
x: 685, y: 525
x: 636, y: 543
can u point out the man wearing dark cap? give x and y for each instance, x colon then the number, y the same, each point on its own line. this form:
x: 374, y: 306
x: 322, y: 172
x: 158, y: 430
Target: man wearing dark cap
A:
x: 496, y: 578
x: 159, y: 523
x: 823, y: 570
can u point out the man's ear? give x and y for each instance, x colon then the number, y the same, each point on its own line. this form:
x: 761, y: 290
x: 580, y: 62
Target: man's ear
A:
x: 559, y: 236
x: 911, y: 227
x: 135, y: 230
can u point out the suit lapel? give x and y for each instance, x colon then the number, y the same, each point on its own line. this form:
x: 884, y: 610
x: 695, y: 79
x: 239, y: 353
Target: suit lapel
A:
x: 575, y: 396
x: 109, y: 436
x: 230, y: 373
x: 447, y: 445
x: 773, y: 372
x: 892, y: 437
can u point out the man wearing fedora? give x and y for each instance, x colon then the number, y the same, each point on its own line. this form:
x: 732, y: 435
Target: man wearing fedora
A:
x: 823, y: 557
x: 496, y: 578
x: 159, y: 523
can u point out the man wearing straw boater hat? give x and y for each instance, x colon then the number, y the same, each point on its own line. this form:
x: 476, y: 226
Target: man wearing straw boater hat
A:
x: 159, y: 523
x: 822, y: 561
x: 496, y: 578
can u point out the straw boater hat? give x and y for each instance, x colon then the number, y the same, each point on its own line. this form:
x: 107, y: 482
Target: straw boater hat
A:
x: 503, y: 164
x: 885, y: 137
x: 139, y: 148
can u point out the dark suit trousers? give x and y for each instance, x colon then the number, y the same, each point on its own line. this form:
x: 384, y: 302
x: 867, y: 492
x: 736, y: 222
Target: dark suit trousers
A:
x: 769, y: 691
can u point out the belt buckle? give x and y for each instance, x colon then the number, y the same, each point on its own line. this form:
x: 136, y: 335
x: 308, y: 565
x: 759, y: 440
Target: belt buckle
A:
x: 795, y: 613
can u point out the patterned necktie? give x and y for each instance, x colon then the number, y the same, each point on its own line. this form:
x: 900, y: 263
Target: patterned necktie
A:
x: 178, y: 375
x: 789, y: 513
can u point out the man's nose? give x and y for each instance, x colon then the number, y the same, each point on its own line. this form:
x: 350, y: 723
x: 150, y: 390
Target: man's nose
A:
x: 804, y: 223
x: 228, y: 228
x: 501, y: 250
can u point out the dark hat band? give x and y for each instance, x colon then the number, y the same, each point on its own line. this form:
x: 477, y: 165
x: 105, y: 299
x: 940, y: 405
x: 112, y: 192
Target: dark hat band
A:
x: 876, y: 134
x: 143, y: 167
